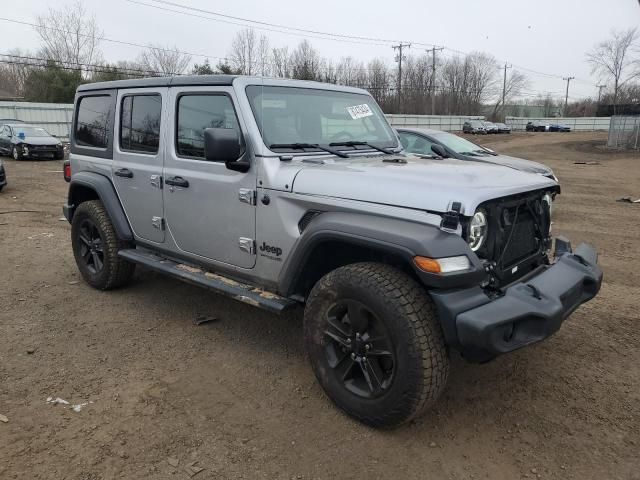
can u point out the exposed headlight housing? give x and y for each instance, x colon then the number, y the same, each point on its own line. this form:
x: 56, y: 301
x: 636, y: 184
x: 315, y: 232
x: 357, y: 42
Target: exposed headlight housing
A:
x: 25, y: 149
x: 478, y: 229
x: 548, y: 199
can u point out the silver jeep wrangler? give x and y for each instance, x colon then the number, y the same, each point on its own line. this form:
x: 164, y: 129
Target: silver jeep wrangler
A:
x: 281, y: 193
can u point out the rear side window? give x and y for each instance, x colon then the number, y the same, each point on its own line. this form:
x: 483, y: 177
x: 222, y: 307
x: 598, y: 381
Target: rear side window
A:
x: 92, y: 125
x: 197, y: 112
x: 140, y: 123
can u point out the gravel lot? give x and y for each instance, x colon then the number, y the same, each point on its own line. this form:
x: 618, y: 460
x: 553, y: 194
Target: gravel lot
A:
x: 237, y: 396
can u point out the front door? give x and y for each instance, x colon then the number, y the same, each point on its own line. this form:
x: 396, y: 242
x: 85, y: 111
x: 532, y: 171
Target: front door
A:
x: 138, y: 157
x: 209, y: 209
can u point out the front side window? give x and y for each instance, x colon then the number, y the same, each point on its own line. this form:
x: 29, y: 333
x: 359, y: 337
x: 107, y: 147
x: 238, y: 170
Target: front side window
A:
x: 92, y: 124
x: 140, y: 123
x: 195, y: 114
x: 290, y: 115
x: 416, y: 144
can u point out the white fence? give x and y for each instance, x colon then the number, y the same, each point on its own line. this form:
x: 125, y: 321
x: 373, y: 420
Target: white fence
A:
x: 575, y: 123
x: 54, y: 117
x: 452, y: 123
x: 624, y: 132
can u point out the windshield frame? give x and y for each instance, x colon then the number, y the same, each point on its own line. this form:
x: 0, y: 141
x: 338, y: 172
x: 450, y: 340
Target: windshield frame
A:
x: 392, y: 144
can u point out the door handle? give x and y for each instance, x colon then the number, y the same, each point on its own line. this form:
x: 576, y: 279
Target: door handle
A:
x: 124, y: 172
x: 177, y: 182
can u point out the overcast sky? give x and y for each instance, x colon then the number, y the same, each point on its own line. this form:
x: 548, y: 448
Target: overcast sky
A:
x: 548, y: 36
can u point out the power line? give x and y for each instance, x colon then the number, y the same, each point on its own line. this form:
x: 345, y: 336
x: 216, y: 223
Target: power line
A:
x: 318, y: 35
x: 275, y: 25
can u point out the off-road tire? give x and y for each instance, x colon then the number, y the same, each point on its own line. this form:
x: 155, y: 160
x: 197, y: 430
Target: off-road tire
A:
x: 403, y: 306
x: 115, y: 271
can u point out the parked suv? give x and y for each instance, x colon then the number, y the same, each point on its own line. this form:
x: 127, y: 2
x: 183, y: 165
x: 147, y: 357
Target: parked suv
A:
x: 280, y: 193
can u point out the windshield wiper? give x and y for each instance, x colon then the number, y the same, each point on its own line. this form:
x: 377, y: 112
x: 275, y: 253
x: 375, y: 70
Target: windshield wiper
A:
x: 471, y: 154
x: 302, y: 146
x: 487, y: 152
x: 355, y: 143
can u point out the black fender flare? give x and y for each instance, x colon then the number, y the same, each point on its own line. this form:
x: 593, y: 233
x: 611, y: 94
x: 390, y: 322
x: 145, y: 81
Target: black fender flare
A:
x: 105, y: 191
x: 399, y: 237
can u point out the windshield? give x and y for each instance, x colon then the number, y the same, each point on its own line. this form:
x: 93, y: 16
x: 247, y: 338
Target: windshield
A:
x: 30, y: 132
x: 459, y: 144
x: 291, y: 115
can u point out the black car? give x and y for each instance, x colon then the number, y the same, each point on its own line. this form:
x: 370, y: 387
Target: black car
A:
x: 3, y: 176
x: 27, y: 141
x: 536, y: 127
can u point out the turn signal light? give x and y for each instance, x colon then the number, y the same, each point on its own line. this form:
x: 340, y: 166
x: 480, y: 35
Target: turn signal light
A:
x: 443, y: 265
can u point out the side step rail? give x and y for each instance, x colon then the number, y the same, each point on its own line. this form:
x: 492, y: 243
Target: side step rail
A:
x: 212, y: 281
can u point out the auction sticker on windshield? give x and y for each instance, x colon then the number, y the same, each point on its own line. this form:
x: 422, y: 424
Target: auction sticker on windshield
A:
x: 360, y: 111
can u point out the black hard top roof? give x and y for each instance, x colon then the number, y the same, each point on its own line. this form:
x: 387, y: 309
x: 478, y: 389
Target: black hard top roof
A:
x: 181, y: 80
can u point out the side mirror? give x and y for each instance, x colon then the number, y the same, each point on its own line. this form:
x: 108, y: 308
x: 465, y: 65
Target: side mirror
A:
x: 223, y: 145
x: 439, y: 150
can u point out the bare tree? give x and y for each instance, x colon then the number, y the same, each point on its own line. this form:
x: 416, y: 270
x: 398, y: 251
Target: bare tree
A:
x: 250, y: 54
x: 281, y: 59
x: 15, y: 70
x: 379, y: 83
x: 163, y: 60
x: 306, y: 63
x: 612, y: 59
x: 70, y: 35
x: 516, y: 83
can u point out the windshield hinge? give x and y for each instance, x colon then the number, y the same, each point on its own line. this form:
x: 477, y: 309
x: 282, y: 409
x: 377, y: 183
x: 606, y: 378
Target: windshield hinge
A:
x: 451, y: 220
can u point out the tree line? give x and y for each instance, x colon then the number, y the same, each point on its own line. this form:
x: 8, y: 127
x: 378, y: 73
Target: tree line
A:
x: 472, y: 84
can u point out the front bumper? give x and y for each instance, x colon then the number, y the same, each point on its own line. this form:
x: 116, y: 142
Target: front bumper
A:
x: 527, y: 311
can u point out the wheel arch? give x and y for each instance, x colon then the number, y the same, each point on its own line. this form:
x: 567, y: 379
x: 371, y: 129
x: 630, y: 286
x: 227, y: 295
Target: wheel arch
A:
x: 87, y: 186
x: 336, y: 239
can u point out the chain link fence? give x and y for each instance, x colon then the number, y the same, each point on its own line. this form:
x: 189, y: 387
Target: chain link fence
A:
x: 624, y: 132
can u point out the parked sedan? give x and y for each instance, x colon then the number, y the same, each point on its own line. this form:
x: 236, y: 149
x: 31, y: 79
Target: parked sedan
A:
x: 3, y: 176
x: 27, y: 141
x: 490, y: 127
x: 559, y: 127
x: 536, y: 127
x: 474, y: 127
x: 503, y: 128
x: 426, y: 142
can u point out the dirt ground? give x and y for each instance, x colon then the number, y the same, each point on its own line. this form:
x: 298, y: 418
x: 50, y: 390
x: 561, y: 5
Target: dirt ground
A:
x: 237, y: 396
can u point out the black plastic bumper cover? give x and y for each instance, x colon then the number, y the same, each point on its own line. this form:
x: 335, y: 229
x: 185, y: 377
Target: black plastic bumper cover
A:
x: 527, y: 313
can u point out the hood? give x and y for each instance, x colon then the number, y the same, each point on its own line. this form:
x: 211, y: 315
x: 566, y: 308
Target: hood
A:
x: 424, y: 184
x: 37, y: 140
x: 528, y: 166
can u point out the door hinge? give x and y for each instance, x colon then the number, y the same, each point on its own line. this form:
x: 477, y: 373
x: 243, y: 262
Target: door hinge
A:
x: 157, y: 222
x: 247, y: 245
x: 247, y: 195
x: 156, y: 181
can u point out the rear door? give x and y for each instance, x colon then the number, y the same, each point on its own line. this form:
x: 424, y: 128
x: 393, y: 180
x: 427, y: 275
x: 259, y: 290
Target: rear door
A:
x: 138, y: 155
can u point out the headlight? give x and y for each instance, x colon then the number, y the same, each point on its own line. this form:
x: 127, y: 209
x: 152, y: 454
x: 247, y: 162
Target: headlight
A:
x: 443, y: 265
x: 25, y: 149
x: 478, y: 230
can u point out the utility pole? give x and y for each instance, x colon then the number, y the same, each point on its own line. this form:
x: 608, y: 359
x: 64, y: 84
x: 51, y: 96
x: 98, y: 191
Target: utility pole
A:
x: 399, y: 57
x: 504, y: 87
x: 566, y: 97
x: 433, y: 79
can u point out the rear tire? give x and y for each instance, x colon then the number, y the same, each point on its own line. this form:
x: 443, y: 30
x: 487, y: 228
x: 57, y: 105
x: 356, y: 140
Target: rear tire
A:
x: 95, y: 248
x: 374, y: 343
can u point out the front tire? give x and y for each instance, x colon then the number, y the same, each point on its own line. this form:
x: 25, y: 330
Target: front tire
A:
x: 95, y: 248
x: 16, y: 154
x: 374, y: 343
